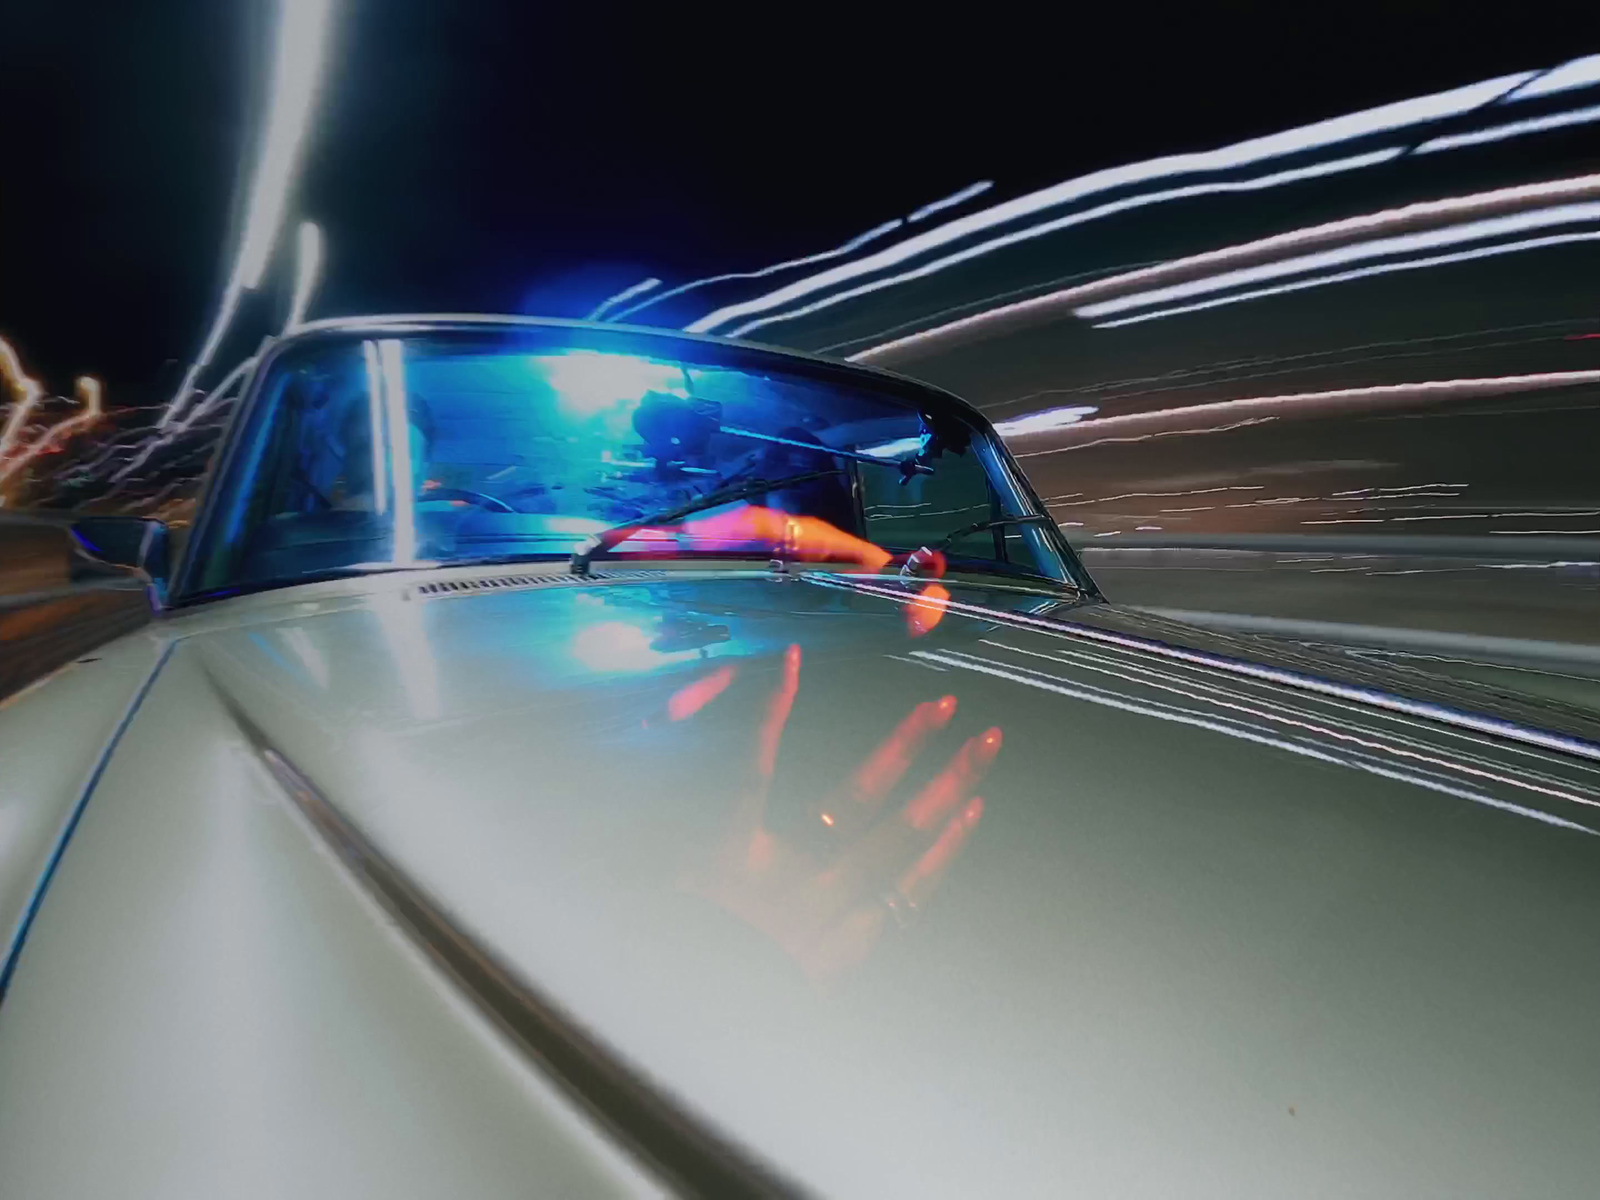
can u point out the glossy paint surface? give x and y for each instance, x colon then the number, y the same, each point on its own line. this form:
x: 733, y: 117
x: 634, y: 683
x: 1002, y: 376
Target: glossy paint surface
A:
x: 950, y: 906
x: 76, y: 714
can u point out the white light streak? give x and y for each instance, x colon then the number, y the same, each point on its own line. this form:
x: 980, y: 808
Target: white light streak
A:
x: 622, y: 297
x: 1496, y: 133
x: 950, y: 201
x: 308, y: 273
x: 1415, y: 264
x: 1053, y: 418
x: 216, y: 395
x: 1033, y: 231
x: 1450, y: 235
x: 1321, y: 134
x: 1065, y: 502
x: 1336, y: 730
x: 1293, y: 679
x: 410, y: 651
x: 1180, y: 716
x: 302, y: 43
x: 1145, y: 437
x: 1383, y: 222
x: 390, y: 358
x: 380, y: 495
x: 895, y: 449
x: 850, y: 247
x: 1579, y: 73
x: 297, y: 65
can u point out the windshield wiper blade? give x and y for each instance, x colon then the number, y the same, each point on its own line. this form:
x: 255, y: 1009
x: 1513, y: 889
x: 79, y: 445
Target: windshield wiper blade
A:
x: 607, y: 540
x: 995, y: 523
x: 908, y: 466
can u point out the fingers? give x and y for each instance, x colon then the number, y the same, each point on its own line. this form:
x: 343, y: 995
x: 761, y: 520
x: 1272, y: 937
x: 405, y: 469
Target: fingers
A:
x: 808, y: 539
x: 846, y: 941
x: 815, y: 540
x: 927, y: 610
x: 738, y: 526
x: 874, y: 862
x: 753, y: 845
x: 947, y: 789
x: 887, y: 764
x: 917, y: 884
x: 692, y: 697
x: 776, y: 718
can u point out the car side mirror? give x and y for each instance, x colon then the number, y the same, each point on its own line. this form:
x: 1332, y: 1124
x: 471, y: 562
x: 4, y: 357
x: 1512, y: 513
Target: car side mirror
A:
x: 137, y: 543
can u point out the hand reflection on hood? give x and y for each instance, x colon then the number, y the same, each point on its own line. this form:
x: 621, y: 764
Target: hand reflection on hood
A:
x: 826, y: 907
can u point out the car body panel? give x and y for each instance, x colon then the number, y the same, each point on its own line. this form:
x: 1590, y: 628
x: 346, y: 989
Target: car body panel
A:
x: 208, y: 1007
x: 893, y: 887
x: 54, y: 736
x: 1104, y: 921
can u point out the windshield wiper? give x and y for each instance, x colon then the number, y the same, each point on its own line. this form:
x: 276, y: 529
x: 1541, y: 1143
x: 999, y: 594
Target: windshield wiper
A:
x: 608, y: 540
x: 996, y: 523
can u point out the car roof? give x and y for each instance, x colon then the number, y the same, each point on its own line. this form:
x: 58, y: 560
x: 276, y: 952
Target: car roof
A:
x: 396, y: 323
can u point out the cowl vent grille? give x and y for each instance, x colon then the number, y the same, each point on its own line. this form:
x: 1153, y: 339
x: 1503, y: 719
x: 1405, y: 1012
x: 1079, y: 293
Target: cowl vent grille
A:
x: 497, y: 583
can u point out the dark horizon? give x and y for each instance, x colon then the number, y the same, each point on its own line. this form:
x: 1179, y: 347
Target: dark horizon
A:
x: 539, y: 163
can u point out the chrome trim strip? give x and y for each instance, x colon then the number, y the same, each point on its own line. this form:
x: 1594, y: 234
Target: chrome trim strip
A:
x: 1562, y: 743
x: 682, y: 1151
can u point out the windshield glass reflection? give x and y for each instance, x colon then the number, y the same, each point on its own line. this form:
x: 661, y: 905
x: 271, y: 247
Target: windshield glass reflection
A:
x: 396, y: 452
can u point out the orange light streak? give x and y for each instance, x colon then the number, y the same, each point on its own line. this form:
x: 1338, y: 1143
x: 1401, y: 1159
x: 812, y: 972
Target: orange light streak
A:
x: 927, y: 610
x: 920, y: 880
x: 692, y: 697
x: 887, y: 765
x: 804, y: 539
x: 955, y: 781
x: 26, y: 394
x: 777, y: 715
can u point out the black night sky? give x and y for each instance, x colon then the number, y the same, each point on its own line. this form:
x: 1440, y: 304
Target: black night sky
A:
x: 532, y: 158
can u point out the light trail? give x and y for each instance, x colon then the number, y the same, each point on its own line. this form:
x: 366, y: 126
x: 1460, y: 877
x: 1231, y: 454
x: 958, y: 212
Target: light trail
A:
x: 17, y: 448
x: 1387, y: 118
x: 849, y: 247
x: 622, y: 297
x: 1470, y: 231
x: 1082, y: 217
x: 301, y: 47
x: 1387, y: 222
x: 1489, y: 95
x: 1497, y: 133
x: 1331, y: 402
x: 308, y: 273
x: 1414, y: 264
x: 951, y: 201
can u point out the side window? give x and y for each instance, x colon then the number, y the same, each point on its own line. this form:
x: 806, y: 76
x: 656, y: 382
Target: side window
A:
x: 928, y: 508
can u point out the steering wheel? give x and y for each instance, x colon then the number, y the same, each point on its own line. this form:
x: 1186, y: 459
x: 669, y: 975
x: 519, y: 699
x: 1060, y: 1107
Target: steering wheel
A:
x: 482, y: 499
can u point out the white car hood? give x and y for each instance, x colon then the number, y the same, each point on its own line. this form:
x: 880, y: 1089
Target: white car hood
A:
x: 980, y: 910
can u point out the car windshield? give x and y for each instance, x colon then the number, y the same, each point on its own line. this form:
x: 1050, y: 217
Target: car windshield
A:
x: 399, y: 451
